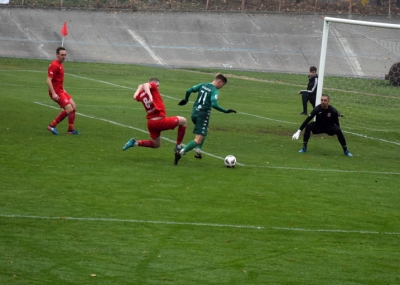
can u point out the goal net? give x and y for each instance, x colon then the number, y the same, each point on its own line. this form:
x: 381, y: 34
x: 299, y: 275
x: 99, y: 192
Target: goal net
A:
x: 360, y: 70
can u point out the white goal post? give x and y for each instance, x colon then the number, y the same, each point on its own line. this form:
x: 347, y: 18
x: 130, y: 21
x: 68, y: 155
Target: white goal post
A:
x: 324, y: 44
x: 352, y: 71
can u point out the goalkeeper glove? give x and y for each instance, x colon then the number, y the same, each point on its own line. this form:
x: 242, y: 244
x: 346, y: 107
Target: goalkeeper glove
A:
x: 230, y: 111
x: 182, y: 102
x: 296, y: 135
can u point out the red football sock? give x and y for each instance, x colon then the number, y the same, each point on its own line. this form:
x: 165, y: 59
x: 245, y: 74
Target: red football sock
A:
x: 71, y: 120
x: 181, y: 134
x: 59, y: 118
x: 146, y: 143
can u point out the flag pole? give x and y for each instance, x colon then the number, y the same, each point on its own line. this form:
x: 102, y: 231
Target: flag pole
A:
x: 64, y: 33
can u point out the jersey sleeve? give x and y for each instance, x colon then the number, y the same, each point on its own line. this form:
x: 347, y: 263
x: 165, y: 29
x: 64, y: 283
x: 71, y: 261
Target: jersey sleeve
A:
x: 139, y: 97
x: 336, y: 117
x: 314, y: 87
x: 193, y: 89
x: 214, y: 102
x: 309, y: 118
x: 52, y: 70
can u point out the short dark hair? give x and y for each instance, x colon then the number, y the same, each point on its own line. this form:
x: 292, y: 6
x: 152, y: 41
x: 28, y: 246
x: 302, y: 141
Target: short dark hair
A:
x: 59, y: 49
x: 326, y: 95
x: 313, y: 68
x: 219, y: 76
x: 153, y: 79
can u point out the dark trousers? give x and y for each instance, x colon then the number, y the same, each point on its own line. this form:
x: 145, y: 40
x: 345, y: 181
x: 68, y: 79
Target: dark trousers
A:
x: 305, y: 97
x: 330, y: 130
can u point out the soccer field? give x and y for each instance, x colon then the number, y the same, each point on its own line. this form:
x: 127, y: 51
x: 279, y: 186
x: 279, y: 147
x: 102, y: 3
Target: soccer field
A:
x: 79, y: 210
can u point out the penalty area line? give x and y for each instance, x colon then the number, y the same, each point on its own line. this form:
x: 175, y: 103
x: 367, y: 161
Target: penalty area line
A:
x: 195, y: 224
x: 326, y: 170
x: 335, y: 231
x: 219, y: 157
x: 130, y: 221
x: 130, y: 127
x: 242, y: 113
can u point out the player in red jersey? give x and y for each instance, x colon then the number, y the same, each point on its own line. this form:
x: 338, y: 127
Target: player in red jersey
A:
x: 55, y: 80
x: 157, y: 120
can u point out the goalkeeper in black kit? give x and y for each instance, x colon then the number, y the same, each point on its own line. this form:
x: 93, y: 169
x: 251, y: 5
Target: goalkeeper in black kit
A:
x: 327, y: 121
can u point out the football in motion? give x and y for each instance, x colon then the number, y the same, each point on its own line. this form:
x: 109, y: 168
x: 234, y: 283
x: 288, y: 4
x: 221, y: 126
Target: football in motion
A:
x: 230, y: 161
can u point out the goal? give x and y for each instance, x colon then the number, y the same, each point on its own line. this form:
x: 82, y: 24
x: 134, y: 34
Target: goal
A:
x: 360, y: 70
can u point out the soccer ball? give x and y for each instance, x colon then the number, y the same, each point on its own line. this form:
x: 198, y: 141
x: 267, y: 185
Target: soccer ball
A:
x: 230, y: 161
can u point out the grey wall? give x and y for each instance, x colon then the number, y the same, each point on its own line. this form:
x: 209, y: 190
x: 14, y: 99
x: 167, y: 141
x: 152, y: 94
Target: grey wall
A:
x: 265, y: 42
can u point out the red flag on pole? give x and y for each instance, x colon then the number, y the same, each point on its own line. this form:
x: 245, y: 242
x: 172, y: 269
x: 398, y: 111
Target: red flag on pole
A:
x: 64, y: 30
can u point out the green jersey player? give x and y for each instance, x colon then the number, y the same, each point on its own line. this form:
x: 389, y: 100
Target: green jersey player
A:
x: 207, y: 98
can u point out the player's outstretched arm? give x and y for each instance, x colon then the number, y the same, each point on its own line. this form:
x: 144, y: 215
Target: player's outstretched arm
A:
x: 230, y: 111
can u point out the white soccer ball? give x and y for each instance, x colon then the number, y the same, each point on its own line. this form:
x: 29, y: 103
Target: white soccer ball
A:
x: 230, y: 161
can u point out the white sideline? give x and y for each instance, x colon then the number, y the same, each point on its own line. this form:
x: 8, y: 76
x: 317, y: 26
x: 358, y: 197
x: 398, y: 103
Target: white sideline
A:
x: 131, y: 221
x: 195, y: 224
x: 325, y: 170
x: 219, y: 157
x: 130, y: 127
x: 247, y: 114
x: 335, y: 231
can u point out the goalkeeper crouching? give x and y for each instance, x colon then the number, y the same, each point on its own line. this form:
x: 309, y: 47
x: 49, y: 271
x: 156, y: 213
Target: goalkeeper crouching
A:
x: 327, y: 121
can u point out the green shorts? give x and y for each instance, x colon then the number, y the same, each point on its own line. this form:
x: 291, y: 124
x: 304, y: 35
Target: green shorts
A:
x: 200, y: 121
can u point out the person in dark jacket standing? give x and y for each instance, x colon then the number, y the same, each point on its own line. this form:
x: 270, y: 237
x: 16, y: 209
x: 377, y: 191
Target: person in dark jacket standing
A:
x: 310, y: 94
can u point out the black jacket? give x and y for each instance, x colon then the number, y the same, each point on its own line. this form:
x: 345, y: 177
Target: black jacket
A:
x: 311, y: 87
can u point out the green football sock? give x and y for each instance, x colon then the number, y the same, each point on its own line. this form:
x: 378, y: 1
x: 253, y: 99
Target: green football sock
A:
x: 202, y: 142
x: 190, y: 146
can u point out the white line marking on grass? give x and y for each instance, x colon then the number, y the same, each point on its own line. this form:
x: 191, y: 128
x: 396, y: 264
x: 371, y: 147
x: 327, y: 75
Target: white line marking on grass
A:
x: 132, y: 221
x: 116, y: 85
x: 326, y: 170
x: 265, y: 118
x: 355, y: 134
x: 101, y: 81
x: 130, y: 127
x: 101, y: 119
x: 335, y: 231
x: 15, y: 85
x: 107, y: 106
x: 193, y: 224
x: 219, y: 157
x: 247, y: 114
x: 372, y: 138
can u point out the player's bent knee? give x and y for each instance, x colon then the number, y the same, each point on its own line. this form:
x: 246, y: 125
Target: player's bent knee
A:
x: 69, y: 108
x: 182, y: 121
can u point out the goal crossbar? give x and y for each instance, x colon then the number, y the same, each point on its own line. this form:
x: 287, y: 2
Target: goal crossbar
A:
x: 324, y: 45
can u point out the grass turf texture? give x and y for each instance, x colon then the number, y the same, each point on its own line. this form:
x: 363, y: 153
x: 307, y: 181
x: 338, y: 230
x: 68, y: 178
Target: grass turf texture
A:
x: 79, y: 210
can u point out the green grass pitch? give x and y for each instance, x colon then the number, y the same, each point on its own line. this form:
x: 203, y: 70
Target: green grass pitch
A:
x: 79, y: 210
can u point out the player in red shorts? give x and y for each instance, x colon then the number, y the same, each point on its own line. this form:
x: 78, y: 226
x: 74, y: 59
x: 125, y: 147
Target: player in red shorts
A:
x: 157, y: 120
x: 55, y: 79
